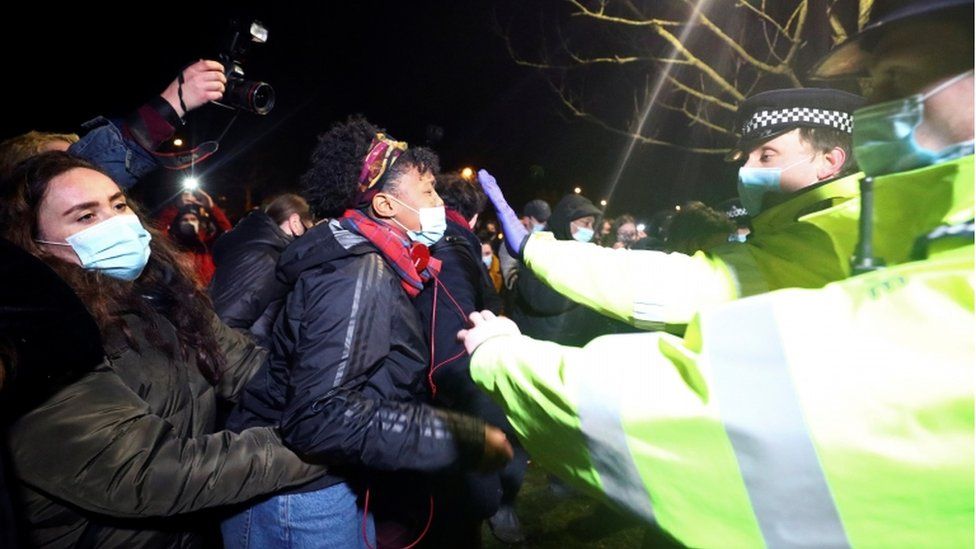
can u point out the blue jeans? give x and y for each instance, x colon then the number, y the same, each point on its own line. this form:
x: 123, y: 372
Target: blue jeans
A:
x: 324, y: 518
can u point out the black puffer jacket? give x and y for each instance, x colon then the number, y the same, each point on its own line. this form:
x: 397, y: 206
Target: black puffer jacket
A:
x: 543, y: 313
x: 121, y: 457
x: 245, y: 292
x: 347, y: 376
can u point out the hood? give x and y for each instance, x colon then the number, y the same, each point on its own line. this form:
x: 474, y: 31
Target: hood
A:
x: 571, y: 207
x: 256, y: 229
x: 320, y: 245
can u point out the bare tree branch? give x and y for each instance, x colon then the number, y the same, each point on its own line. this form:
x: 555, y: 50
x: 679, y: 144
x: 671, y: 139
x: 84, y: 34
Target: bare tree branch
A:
x: 691, y: 61
x: 695, y: 119
x: 781, y: 68
x: 579, y: 112
x: 701, y: 95
x: 602, y: 16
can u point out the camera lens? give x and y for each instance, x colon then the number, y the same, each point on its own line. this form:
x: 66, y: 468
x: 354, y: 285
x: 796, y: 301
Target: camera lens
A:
x: 261, y: 98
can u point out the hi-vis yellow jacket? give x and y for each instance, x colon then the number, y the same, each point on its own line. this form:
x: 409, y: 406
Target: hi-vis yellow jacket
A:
x: 834, y: 417
x: 790, y: 248
x: 840, y: 416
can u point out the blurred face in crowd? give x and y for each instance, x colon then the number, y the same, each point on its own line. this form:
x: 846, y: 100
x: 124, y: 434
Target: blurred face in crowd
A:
x: 583, y: 222
x: 411, y: 192
x: 627, y: 233
x: 189, y: 224
x: 485, y: 250
x: 802, y: 165
x: 901, y: 65
x: 76, y: 200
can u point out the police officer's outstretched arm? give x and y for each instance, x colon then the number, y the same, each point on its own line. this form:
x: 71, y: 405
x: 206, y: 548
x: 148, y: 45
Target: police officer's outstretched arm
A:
x: 645, y: 288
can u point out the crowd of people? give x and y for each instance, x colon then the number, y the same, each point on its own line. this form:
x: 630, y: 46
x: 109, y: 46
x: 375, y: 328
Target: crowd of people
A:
x: 373, y: 360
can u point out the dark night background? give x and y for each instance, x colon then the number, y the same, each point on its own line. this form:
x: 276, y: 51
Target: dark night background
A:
x: 405, y: 65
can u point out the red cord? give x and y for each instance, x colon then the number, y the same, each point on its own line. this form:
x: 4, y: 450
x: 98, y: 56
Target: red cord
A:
x: 433, y: 392
x: 430, y: 519
x: 433, y: 328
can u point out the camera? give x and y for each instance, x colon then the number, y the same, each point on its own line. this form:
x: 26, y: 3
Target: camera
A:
x: 240, y: 93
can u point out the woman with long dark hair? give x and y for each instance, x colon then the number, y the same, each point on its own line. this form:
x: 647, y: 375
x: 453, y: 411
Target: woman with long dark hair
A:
x: 126, y: 453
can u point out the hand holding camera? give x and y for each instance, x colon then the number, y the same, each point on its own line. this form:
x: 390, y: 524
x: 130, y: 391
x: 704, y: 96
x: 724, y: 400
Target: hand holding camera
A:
x: 203, y: 81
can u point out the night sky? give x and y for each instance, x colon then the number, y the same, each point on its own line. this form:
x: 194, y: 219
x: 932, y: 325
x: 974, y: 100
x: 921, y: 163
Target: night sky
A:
x: 405, y: 65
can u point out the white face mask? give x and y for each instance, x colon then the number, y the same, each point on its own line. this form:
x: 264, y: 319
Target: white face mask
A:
x: 487, y: 260
x: 754, y: 183
x: 433, y: 224
x: 118, y: 246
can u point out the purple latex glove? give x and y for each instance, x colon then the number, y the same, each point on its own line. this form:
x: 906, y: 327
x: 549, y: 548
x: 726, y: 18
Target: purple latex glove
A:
x: 512, y: 228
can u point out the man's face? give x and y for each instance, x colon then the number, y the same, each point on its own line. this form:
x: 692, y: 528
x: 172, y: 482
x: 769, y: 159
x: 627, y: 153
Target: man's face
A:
x: 902, y: 65
x: 800, y: 163
x: 416, y: 190
x: 583, y: 222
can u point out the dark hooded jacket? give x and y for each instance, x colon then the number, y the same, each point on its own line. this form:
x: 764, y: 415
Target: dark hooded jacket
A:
x: 543, y: 313
x: 245, y: 291
x: 125, y: 455
x: 468, y: 287
x: 348, y: 374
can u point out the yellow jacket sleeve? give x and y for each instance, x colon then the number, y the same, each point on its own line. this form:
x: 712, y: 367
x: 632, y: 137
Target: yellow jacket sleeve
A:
x: 648, y: 289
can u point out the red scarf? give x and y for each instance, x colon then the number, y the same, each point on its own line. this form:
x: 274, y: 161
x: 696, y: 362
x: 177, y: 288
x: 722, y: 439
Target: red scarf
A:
x: 411, y: 260
x: 455, y: 216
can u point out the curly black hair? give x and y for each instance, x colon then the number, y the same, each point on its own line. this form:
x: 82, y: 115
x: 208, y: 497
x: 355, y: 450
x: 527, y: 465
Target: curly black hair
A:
x: 461, y: 195
x: 331, y: 182
x: 422, y: 158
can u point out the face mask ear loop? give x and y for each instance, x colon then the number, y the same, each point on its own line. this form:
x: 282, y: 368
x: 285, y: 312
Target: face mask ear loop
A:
x: 65, y: 244
x: 929, y: 94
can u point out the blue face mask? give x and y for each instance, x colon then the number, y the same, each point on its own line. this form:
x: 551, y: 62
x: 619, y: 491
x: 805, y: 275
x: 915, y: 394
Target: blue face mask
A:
x: 583, y: 234
x: 433, y: 224
x: 754, y: 183
x: 538, y: 227
x: 487, y: 260
x: 118, y: 247
x: 884, y: 135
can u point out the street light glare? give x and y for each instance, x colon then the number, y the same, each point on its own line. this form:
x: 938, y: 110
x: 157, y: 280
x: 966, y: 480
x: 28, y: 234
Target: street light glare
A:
x: 577, y: 190
x: 467, y: 173
x: 603, y: 203
x: 177, y: 142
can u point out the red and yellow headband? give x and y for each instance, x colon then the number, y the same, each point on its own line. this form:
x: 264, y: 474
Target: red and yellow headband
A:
x: 383, y: 152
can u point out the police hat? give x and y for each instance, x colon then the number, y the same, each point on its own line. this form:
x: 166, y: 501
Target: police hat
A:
x: 848, y: 59
x: 766, y: 115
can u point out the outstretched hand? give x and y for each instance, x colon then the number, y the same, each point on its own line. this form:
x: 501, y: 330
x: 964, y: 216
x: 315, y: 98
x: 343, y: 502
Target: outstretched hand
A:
x: 498, y: 450
x: 485, y: 325
x: 515, y: 233
x: 203, y: 82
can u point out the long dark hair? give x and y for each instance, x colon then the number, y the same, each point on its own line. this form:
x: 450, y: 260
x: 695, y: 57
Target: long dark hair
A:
x: 165, y: 286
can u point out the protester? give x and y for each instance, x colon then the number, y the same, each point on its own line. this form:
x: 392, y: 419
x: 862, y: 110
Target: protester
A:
x: 347, y: 381
x: 245, y: 290
x: 104, y: 458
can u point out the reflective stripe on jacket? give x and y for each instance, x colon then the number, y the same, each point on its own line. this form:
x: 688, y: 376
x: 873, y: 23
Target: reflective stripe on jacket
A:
x: 834, y: 417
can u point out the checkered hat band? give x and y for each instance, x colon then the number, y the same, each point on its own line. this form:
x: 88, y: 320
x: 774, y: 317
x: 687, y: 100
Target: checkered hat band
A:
x: 818, y: 117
